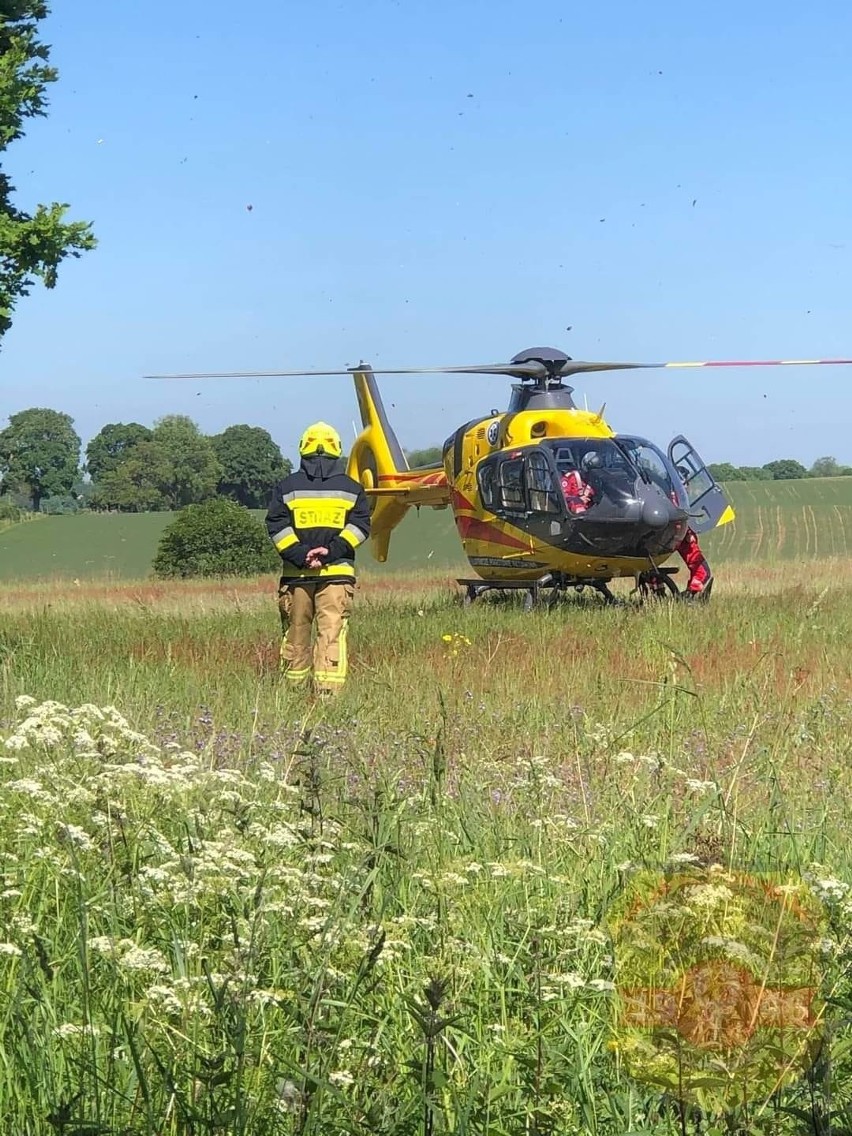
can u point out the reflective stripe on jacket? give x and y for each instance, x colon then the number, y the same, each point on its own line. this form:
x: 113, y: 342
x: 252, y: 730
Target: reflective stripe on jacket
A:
x: 318, y: 506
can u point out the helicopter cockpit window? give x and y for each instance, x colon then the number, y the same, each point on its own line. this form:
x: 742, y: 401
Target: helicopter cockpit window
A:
x: 650, y: 461
x: 511, y: 485
x: 487, y: 486
x: 584, y: 454
x: 540, y: 485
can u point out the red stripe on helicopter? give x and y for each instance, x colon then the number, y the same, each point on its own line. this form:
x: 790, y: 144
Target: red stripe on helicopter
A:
x: 424, y: 479
x: 460, y: 501
x: 471, y: 528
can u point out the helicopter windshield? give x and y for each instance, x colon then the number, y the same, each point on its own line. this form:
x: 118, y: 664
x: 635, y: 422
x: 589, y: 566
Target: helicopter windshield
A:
x: 652, y: 464
x: 573, y: 475
x: 587, y: 454
x: 593, y: 472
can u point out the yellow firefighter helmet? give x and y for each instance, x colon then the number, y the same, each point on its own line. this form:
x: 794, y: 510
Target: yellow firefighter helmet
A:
x: 320, y: 438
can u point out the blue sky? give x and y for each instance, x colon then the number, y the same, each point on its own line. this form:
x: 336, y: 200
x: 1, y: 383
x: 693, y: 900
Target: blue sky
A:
x: 434, y: 183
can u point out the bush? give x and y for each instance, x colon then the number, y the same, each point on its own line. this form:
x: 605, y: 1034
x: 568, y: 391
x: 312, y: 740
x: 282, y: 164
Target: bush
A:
x: 59, y: 505
x: 215, y: 538
x: 9, y: 511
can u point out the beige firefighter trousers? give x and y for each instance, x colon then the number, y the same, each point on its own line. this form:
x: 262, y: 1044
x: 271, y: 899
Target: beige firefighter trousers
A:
x: 328, y: 604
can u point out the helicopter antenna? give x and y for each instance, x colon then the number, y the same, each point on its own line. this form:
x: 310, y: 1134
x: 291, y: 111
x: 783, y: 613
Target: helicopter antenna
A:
x: 600, y: 413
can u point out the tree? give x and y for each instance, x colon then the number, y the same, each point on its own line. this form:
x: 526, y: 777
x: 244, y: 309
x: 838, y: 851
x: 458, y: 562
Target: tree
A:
x: 174, y: 467
x: 786, y: 469
x: 187, y: 469
x: 135, y: 485
x: 111, y: 445
x: 31, y: 246
x: 724, y: 471
x: 251, y: 464
x: 39, y: 454
x: 215, y: 538
x: 755, y: 473
x: 826, y: 467
x: 432, y: 455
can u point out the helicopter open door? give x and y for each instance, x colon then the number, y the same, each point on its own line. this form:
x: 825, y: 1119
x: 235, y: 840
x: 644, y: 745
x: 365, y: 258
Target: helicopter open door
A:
x: 708, y: 505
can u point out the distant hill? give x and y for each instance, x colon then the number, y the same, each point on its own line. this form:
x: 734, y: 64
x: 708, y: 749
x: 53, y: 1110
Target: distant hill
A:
x: 776, y: 520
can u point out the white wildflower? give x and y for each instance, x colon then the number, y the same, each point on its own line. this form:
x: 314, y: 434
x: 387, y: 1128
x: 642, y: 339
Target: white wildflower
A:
x: 71, y: 1029
x: 342, y: 1078
x: 164, y: 999
x: 31, y: 788
x: 102, y: 945
x: 601, y: 985
x: 16, y: 742
x: 707, y: 895
x: 732, y: 949
x: 650, y: 820
x: 700, y: 787
x: 78, y: 836
x: 144, y: 958
x: 684, y: 858
x: 25, y: 701
x: 829, y: 889
x: 11, y: 950
x: 569, y: 978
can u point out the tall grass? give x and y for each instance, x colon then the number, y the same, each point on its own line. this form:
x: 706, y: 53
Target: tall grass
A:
x: 229, y: 910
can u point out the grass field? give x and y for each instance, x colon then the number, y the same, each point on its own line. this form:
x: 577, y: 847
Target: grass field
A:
x: 230, y: 910
x: 779, y: 520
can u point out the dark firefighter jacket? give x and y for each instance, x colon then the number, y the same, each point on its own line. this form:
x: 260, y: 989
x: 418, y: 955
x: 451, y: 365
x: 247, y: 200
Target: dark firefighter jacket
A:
x: 318, y: 506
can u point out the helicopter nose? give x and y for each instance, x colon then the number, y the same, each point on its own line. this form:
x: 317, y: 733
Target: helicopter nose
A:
x: 656, y: 514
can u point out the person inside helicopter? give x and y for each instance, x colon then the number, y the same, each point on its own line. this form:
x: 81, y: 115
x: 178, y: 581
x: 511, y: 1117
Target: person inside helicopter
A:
x: 588, y: 475
x: 578, y: 493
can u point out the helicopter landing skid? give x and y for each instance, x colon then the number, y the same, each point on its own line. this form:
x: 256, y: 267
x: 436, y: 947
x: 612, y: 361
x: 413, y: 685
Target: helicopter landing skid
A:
x: 556, y: 583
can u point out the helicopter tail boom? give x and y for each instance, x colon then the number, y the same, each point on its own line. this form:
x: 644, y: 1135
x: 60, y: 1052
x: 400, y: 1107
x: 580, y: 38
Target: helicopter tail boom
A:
x: 378, y: 463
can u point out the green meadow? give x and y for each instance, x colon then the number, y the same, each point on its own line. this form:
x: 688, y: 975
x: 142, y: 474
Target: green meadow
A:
x: 579, y: 870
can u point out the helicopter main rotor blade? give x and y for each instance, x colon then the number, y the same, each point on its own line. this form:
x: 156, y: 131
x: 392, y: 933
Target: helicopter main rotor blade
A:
x: 530, y: 370
x: 573, y: 367
x: 527, y: 370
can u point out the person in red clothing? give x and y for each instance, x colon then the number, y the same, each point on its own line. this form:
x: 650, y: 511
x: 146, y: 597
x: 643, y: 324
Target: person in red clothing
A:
x: 695, y: 560
x: 690, y: 552
x: 578, y: 493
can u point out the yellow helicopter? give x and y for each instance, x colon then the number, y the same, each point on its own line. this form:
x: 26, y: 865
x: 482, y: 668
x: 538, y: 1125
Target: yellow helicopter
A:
x: 545, y: 495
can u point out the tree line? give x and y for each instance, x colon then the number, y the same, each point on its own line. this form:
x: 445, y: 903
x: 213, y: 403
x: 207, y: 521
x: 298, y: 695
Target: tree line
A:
x: 785, y: 469
x: 132, y: 468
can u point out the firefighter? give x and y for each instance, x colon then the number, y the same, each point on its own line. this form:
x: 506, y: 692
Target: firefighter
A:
x: 317, y: 517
